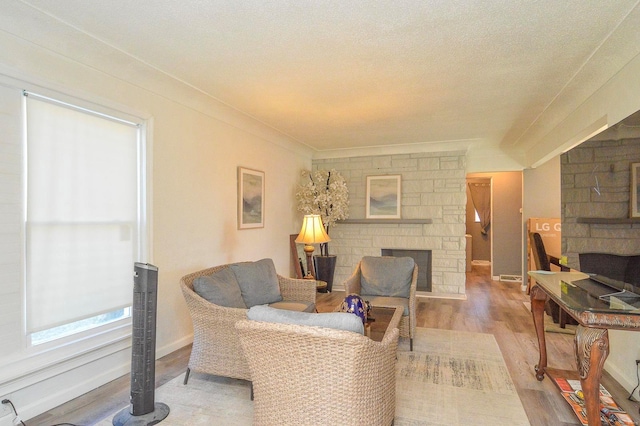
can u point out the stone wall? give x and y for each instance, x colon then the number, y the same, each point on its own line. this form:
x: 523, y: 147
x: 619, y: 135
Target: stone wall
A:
x: 602, y: 166
x: 433, y: 187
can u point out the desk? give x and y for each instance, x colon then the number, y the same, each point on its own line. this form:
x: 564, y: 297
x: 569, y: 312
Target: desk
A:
x: 595, y: 318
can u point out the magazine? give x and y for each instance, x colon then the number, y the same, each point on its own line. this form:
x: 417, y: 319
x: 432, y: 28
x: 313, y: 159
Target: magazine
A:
x: 624, y: 300
x: 610, y: 412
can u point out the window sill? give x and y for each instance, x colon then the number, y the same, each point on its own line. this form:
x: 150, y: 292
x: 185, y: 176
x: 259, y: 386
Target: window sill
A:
x: 36, y: 367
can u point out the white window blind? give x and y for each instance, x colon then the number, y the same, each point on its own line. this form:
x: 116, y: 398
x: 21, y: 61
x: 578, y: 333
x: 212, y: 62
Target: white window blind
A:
x: 82, y: 213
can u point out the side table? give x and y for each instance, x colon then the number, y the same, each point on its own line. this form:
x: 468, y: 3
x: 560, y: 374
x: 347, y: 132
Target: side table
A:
x: 321, y: 286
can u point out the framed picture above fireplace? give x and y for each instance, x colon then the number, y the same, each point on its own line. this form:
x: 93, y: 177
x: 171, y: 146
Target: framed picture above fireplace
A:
x: 383, y: 197
x: 634, y: 211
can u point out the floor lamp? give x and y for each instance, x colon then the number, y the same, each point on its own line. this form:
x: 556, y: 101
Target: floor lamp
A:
x: 312, y: 232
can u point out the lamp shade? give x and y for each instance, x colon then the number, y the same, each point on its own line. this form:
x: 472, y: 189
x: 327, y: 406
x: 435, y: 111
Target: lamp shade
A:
x: 312, y: 231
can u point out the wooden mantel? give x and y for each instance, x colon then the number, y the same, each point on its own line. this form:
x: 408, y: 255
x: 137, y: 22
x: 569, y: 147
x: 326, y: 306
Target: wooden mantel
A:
x: 608, y: 220
x: 387, y: 221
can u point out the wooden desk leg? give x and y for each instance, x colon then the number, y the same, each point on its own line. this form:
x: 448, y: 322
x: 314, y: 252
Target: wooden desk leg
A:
x: 592, y: 349
x: 538, y: 299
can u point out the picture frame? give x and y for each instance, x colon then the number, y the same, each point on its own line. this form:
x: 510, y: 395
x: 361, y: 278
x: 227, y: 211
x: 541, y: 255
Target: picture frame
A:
x: 250, y: 198
x: 383, y: 197
x: 297, y: 256
x: 634, y: 199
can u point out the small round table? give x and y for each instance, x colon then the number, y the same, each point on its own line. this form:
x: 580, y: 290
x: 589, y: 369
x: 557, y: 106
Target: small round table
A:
x: 321, y: 286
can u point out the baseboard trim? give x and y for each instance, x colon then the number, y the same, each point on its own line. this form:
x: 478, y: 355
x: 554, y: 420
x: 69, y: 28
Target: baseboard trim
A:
x: 174, y: 346
x: 42, y: 404
x: 6, y: 420
x: 510, y: 278
x: 455, y: 296
x: 621, y: 378
x: 33, y: 408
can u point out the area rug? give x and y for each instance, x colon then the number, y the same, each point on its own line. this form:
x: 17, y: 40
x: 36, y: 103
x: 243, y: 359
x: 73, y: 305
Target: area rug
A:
x: 451, y: 378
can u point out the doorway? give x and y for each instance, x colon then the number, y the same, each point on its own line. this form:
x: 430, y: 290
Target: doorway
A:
x: 502, y: 242
x: 478, y: 219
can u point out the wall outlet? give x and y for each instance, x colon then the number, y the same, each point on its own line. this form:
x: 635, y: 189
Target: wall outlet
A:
x: 5, y: 409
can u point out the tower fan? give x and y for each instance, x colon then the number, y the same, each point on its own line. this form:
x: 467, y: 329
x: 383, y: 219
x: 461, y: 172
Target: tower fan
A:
x: 143, y: 411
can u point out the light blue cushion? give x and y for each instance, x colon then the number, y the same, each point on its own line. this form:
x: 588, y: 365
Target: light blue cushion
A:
x: 335, y: 320
x: 220, y: 288
x: 258, y: 282
x: 386, y: 276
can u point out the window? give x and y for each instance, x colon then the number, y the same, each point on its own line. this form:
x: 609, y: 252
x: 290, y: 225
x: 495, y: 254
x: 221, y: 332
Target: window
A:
x: 84, y: 217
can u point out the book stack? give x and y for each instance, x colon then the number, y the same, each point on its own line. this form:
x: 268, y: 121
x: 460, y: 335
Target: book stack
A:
x: 610, y: 413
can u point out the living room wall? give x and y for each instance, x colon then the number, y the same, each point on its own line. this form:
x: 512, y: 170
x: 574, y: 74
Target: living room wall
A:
x: 196, y: 145
x: 433, y: 187
x: 596, y: 178
x: 609, y: 160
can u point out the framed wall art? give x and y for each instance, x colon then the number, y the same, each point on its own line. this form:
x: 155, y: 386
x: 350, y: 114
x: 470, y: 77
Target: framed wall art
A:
x: 250, y: 198
x: 297, y: 256
x: 634, y: 199
x: 383, y: 197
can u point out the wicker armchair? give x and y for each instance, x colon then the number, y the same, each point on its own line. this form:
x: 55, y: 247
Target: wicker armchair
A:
x: 216, y: 348
x: 408, y: 322
x: 320, y: 376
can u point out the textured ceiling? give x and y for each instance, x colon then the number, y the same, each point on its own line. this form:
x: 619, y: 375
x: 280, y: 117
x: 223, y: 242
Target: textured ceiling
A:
x: 344, y: 74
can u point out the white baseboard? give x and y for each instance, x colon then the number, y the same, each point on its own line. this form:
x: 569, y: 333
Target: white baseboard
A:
x: 511, y: 278
x: 174, y: 346
x: 70, y: 391
x: 622, y: 379
x: 6, y: 420
x: 76, y: 384
x: 455, y: 296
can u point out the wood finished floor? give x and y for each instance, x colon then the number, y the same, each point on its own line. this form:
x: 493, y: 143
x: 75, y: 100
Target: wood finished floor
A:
x: 491, y: 307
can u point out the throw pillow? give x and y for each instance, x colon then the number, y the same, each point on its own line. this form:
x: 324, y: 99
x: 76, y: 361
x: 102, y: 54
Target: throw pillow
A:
x: 335, y: 320
x: 258, y: 282
x: 386, y: 276
x: 220, y: 288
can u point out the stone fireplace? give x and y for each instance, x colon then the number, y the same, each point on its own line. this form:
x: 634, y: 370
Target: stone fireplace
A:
x: 598, y: 221
x: 433, y: 213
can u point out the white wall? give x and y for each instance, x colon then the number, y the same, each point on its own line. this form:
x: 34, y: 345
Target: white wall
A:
x: 196, y: 146
x: 579, y: 168
x: 579, y: 111
x: 541, y: 189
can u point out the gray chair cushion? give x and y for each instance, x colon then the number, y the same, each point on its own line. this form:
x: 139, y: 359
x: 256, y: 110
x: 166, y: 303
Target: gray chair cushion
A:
x: 294, y: 306
x: 258, y: 282
x: 335, y: 320
x: 386, y: 276
x: 220, y: 288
